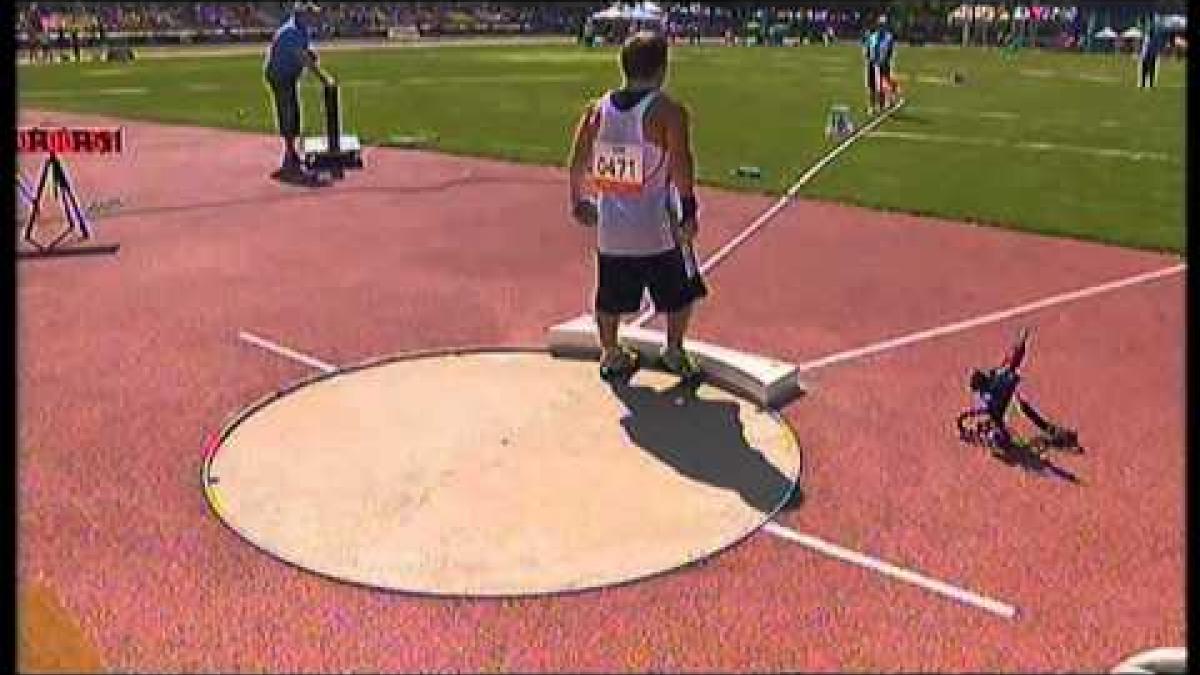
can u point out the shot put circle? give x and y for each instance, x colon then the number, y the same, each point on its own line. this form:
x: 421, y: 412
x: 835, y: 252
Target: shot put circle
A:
x: 498, y: 472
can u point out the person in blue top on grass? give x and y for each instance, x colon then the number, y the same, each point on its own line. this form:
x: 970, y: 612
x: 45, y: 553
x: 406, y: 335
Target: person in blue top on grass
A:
x: 1152, y: 44
x: 290, y: 54
x: 879, y: 47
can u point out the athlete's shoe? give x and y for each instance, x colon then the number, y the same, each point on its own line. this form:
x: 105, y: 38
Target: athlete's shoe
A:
x: 680, y: 363
x: 290, y: 173
x: 623, y: 367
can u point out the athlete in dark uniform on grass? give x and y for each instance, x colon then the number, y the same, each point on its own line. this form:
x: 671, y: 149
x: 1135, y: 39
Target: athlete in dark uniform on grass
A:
x: 631, y: 151
x: 290, y: 53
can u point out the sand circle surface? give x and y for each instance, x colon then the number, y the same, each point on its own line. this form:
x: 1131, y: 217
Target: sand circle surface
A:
x: 498, y: 473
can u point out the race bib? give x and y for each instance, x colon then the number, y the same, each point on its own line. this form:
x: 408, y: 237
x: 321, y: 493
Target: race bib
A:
x: 618, y: 167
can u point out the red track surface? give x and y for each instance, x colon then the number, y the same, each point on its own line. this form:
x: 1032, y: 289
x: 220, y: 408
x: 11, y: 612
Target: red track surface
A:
x: 128, y: 363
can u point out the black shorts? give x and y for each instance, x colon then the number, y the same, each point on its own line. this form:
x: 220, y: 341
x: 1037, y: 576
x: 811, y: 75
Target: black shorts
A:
x: 621, y: 280
x: 287, y: 106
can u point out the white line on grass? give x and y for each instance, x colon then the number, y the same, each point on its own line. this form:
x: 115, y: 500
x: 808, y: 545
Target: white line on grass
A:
x: 998, y: 115
x: 887, y: 569
x: 122, y: 91
x: 64, y: 93
x: 993, y: 317
x: 280, y: 350
x: 1107, y: 79
x: 778, y: 206
x: 1039, y: 146
x: 456, y: 79
x: 985, y: 114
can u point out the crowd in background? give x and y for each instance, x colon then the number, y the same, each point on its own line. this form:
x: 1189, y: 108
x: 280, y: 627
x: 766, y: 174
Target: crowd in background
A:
x: 38, y: 17
x: 61, y: 29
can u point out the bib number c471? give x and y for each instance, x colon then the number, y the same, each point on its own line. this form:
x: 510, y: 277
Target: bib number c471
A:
x: 617, y: 167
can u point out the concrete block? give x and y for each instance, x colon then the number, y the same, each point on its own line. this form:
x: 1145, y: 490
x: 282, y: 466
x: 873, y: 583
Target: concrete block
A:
x: 766, y: 381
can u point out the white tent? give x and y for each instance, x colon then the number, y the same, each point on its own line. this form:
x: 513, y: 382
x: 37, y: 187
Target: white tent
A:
x: 644, y: 14
x: 1173, y: 22
x: 643, y: 11
x: 1107, y: 33
x: 1132, y: 32
x: 982, y: 13
x: 614, y: 12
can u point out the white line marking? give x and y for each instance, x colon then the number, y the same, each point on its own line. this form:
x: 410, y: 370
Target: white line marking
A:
x: 456, y: 79
x: 1039, y: 146
x: 50, y: 93
x: 1087, y: 77
x: 778, y: 206
x: 935, y: 109
x: 863, y: 131
x: 954, y: 592
x: 121, y: 91
x: 920, y: 336
x: 287, y: 353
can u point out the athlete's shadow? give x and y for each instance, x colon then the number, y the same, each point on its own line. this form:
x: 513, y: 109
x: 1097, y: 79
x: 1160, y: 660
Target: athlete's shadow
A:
x: 1025, y: 458
x: 704, y: 441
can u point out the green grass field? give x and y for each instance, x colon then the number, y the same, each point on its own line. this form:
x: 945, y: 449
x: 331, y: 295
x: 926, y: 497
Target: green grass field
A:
x: 1063, y: 144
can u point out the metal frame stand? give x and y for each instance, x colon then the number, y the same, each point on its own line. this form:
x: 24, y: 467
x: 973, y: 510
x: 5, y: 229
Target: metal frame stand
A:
x: 54, y: 174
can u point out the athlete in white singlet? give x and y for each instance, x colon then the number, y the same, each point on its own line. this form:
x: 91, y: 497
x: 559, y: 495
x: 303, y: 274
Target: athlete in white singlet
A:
x: 632, y: 150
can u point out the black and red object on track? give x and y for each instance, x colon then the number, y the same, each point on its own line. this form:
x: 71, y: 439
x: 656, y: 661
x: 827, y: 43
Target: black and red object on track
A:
x: 334, y: 152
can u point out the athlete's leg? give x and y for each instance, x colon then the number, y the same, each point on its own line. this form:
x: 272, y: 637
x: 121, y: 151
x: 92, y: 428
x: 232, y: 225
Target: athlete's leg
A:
x: 619, y: 287
x: 675, y: 284
x: 677, y: 324
x: 607, y: 326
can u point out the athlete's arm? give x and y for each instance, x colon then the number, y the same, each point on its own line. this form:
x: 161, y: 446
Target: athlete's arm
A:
x: 682, y: 163
x: 581, y: 154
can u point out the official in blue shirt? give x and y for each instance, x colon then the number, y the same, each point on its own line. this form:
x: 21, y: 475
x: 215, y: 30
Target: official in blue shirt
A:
x: 868, y: 43
x: 880, y: 45
x: 290, y: 53
x: 1152, y: 44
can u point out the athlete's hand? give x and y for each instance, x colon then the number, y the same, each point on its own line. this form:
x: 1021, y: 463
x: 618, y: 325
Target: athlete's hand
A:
x: 585, y: 212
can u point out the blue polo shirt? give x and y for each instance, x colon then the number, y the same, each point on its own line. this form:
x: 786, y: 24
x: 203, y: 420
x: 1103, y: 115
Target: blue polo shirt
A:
x: 880, y: 44
x: 1152, y: 44
x: 283, y: 62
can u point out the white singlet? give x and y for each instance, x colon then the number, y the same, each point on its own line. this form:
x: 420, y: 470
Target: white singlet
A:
x: 631, y: 181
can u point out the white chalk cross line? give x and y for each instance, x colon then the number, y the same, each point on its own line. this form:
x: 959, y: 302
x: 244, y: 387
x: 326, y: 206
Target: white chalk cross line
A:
x: 993, y: 317
x: 778, y: 206
x: 280, y: 350
x: 894, y: 571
